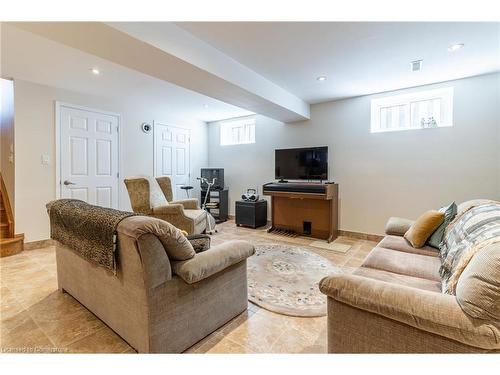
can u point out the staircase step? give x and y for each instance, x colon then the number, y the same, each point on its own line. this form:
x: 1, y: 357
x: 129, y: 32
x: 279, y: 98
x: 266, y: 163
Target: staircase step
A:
x: 4, y: 230
x: 3, y: 216
x: 11, y: 246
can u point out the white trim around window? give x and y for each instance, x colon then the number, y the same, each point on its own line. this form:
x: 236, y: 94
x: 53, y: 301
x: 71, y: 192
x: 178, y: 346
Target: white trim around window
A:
x: 418, y: 110
x: 237, y: 132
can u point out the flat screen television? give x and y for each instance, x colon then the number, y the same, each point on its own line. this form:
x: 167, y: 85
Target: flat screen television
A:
x: 309, y: 163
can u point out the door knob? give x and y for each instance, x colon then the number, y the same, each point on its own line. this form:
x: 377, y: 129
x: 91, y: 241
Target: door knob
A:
x: 68, y: 183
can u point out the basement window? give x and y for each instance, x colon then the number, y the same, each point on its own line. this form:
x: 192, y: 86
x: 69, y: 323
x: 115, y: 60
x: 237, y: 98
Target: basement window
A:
x: 237, y: 132
x: 419, y: 110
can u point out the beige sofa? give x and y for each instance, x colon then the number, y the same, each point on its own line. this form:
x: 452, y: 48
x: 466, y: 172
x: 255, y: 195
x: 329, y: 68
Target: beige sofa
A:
x: 155, y: 304
x: 393, y: 303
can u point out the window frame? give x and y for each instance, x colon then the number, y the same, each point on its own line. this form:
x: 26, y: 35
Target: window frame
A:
x: 406, y: 100
x: 228, y: 126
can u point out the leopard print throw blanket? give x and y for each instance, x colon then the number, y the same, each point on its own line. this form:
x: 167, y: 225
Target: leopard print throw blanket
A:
x: 88, y: 230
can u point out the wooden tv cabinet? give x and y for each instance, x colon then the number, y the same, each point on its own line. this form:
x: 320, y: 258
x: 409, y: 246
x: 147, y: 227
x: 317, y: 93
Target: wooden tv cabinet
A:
x: 306, y: 209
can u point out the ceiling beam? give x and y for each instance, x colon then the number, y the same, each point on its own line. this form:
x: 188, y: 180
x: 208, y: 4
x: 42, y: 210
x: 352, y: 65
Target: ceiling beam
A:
x: 214, y: 76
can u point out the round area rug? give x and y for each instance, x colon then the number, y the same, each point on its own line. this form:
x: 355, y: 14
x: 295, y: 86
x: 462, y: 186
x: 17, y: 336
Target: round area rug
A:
x: 285, y: 279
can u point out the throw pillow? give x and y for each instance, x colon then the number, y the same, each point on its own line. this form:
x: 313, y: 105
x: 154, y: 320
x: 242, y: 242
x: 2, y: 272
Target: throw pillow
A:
x: 449, y: 214
x: 174, y: 242
x: 423, y: 227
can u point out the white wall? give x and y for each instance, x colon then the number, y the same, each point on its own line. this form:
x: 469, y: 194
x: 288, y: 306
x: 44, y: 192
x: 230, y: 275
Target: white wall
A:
x: 7, y: 136
x: 383, y: 174
x: 380, y: 175
x: 35, y: 136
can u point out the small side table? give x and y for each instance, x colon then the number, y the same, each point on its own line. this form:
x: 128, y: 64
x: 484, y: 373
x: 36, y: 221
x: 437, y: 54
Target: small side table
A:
x: 252, y: 214
x: 186, y: 188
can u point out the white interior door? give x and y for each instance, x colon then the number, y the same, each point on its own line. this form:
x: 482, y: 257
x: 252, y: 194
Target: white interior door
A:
x: 88, y: 155
x: 172, y: 154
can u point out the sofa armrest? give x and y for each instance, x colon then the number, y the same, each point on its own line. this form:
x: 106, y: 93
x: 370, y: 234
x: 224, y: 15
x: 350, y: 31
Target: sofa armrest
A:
x: 175, y: 215
x: 397, y: 226
x: 429, y: 311
x: 188, y: 204
x: 212, y: 261
x: 170, y: 209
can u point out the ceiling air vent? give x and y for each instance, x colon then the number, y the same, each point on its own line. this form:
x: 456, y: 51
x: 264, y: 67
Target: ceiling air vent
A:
x: 416, y: 65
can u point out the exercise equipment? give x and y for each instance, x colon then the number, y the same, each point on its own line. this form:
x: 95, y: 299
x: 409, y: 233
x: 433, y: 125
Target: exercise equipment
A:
x: 211, y: 225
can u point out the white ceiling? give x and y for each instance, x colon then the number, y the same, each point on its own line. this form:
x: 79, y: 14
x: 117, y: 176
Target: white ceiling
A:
x: 29, y: 57
x: 198, y: 66
x: 358, y: 58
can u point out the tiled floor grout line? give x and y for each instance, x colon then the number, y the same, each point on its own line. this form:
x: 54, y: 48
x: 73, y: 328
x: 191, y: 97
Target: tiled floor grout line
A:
x: 43, y: 331
x: 277, y: 339
x: 244, y: 347
x: 39, y: 327
x: 27, y: 311
x: 84, y: 337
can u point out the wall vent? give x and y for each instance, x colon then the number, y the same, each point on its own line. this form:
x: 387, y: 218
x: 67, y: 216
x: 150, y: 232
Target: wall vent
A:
x: 416, y: 65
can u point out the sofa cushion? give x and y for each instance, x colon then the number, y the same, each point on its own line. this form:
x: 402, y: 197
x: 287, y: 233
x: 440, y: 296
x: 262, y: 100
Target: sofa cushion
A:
x: 156, y: 194
x: 398, y: 226
x: 464, y: 206
x: 214, y: 260
x: 478, y: 288
x: 175, y: 243
x: 449, y: 214
x: 401, y: 244
x: 196, y: 215
x: 416, y: 265
x: 423, y: 227
x: 468, y: 233
x: 394, y: 278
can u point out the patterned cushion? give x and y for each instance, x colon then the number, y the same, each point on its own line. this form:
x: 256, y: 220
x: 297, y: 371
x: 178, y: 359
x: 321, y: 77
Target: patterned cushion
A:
x: 464, y: 206
x: 200, y: 242
x: 464, y: 236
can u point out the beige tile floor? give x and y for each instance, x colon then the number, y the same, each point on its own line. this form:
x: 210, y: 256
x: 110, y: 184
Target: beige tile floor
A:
x: 36, y: 317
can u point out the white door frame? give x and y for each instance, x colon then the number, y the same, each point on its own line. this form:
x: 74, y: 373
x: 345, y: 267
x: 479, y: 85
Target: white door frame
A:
x: 155, y: 124
x: 58, y: 106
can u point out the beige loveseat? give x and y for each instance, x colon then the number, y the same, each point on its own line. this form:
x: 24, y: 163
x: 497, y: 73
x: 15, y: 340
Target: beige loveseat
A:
x: 393, y: 303
x: 154, y: 303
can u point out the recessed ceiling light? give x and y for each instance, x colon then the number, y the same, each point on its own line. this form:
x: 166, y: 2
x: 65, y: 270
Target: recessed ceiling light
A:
x: 95, y: 71
x: 455, y: 47
x: 321, y: 78
x: 205, y: 105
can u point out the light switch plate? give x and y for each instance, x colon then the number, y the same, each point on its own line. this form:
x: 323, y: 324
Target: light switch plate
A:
x: 45, y: 159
